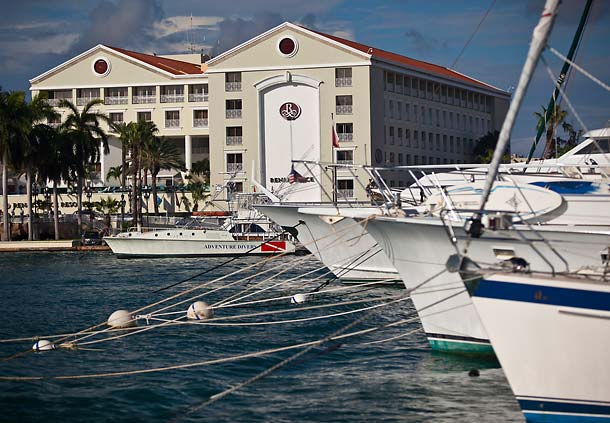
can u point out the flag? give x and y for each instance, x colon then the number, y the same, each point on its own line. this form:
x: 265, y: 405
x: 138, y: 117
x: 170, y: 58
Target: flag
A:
x: 335, y: 138
x: 295, y: 176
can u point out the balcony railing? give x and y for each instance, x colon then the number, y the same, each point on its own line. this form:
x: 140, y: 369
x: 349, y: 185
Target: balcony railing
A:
x: 233, y: 114
x: 81, y: 101
x: 347, y: 136
x: 343, y: 82
x: 232, y: 86
x: 198, y: 97
x: 346, y: 162
x: 144, y: 99
x: 55, y: 101
x: 344, y: 110
x: 172, y: 98
x: 116, y: 100
x: 234, y: 140
x: 200, y: 123
x: 172, y: 123
x: 345, y: 193
x: 235, y: 167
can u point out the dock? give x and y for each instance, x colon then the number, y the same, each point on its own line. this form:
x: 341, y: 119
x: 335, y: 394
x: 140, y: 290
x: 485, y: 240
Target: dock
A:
x: 61, y: 245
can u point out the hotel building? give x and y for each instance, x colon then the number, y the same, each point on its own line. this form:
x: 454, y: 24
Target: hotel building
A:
x: 276, y: 98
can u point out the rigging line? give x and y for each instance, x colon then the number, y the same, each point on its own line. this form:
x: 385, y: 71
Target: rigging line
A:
x: 225, y: 262
x: 580, y: 69
x: 472, y: 35
x: 393, y: 338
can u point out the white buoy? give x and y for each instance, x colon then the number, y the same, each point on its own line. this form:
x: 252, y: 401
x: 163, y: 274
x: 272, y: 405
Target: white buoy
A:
x: 121, y: 319
x: 43, y: 345
x: 199, y: 310
x: 299, y: 298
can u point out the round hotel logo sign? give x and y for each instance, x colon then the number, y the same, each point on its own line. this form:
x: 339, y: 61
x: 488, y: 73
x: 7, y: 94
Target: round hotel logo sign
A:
x: 290, y: 111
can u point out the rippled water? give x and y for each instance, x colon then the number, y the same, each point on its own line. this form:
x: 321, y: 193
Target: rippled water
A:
x: 401, y: 380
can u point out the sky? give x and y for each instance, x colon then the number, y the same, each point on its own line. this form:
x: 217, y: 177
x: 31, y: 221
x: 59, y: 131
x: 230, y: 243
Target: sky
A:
x: 36, y: 35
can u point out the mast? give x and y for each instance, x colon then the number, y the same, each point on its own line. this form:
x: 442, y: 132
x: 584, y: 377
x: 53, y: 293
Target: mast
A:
x: 539, y: 40
x: 561, y: 79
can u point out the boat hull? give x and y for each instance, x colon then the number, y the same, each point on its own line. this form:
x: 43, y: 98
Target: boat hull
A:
x: 552, y: 337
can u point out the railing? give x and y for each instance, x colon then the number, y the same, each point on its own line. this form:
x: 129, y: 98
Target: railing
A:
x: 343, y: 82
x: 344, y: 110
x: 172, y: 123
x: 346, y: 162
x: 55, y: 101
x: 81, y: 101
x: 144, y: 99
x: 234, y: 140
x: 232, y: 86
x: 235, y: 167
x: 345, y: 193
x: 347, y: 136
x: 233, y: 114
x: 172, y: 98
x: 200, y: 123
x: 116, y: 100
x: 198, y: 97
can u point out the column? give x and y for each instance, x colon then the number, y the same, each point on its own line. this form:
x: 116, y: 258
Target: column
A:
x: 188, y: 152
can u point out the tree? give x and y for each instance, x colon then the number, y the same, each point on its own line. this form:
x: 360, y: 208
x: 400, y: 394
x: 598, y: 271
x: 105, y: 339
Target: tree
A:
x: 85, y: 134
x: 115, y: 172
x: 557, y: 118
x: 125, y: 132
x: 202, y: 168
x: 198, y: 194
x: 160, y: 154
x: 485, y: 146
x: 107, y: 206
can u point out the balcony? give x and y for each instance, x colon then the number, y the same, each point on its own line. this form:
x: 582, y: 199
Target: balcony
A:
x: 235, y: 167
x: 55, y: 101
x: 347, y: 136
x: 198, y: 97
x: 116, y: 100
x: 144, y: 99
x: 345, y: 193
x: 343, y: 82
x: 345, y: 162
x: 232, y: 86
x: 233, y: 114
x: 200, y: 123
x: 234, y: 140
x: 81, y: 101
x: 172, y: 98
x: 344, y: 110
x: 172, y: 123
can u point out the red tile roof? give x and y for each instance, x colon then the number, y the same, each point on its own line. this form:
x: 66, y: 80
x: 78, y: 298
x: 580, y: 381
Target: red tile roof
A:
x: 175, y: 67
x: 404, y: 60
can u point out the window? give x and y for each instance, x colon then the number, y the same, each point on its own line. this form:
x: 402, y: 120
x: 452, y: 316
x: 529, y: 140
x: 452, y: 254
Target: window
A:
x: 423, y: 140
x: 451, y: 144
x: 54, y: 121
x: 399, y: 110
x: 399, y: 135
x: 408, y: 159
x: 415, y: 113
x: 234, y: 135
x: 408, y: 137
x: 343, y: 77
x: 345, y: 157
x: 430, y: 117
x: 407, y: 85
x: 415, y: 139
x: 438, y: 118
x: 398, y: 84
x: 85, y: 95
x: 604, y: 145
x: 458, y: 147
x: 389, y: 86
x: 345, y: 188
x: 438, y: 142
x: 233, y: 109
x: 407, y: 114
x: 423, y: 115
x: 391, y: 157
x: 445, y: 143
x: 172, y: 119
x: 234, y: 162
x: 344, y: 104
x: 400, y: 160
x: 345, y: 131
x: 144, y: 95
x: 451, y: 120
x: 115, y: 95
x: 430, y: 141
x: 415, y: 160
x: 391, y: 135
x: 200, y: 118
x: 172, y: 93
x: 198, y: 93
x: 391, y: 108
x: 233, y: 81
x: 414, y: 87
x: 115, y: 117
x: 144, y: 116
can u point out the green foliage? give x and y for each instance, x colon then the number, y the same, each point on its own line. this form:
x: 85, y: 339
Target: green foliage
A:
x: 485, y: 146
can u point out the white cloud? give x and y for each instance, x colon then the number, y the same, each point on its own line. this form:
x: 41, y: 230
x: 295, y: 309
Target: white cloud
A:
x: 55, y: 44
x: 175, y: 24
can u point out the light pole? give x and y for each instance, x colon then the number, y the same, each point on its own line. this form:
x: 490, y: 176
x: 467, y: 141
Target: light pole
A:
x: 88, y: 194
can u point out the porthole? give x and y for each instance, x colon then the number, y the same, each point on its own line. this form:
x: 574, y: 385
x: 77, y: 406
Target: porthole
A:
x: 101, y: 66
x: 287, y: 46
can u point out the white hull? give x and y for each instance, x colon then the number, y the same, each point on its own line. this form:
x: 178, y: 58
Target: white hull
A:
x: 552, y: 337
x: 419, y: 248
x: 190, y: 243
x: 344, y: 246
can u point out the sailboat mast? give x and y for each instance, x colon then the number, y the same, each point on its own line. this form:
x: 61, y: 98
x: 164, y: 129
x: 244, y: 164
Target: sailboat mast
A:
x: 561, y: 79
x: 539, y: 40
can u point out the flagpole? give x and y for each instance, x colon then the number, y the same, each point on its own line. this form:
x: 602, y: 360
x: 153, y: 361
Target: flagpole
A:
x: 332, y: 158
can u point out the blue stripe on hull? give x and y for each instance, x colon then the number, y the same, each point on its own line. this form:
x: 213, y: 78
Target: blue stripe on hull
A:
x: 560, y: 411
x: 539, y: 294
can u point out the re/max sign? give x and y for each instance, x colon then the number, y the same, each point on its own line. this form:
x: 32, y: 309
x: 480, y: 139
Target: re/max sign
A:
x: 285, y: 179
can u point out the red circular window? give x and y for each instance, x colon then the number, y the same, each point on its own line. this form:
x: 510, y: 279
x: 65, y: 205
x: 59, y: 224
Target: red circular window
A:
x: 100, y: 66
x: 287, y: 46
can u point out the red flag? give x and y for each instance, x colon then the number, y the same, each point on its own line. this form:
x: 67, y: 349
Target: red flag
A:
x: 335, y: 138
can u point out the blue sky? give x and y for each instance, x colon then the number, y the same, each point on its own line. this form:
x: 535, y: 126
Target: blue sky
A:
x: 36, y: 35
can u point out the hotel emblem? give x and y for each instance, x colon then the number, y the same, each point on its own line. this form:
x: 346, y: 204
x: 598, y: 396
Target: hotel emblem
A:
x: 290, y: 111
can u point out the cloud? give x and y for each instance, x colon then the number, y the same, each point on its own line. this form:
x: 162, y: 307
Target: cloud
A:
x: 176, y: 24
x: 424, y: 43
x: 232, y: 32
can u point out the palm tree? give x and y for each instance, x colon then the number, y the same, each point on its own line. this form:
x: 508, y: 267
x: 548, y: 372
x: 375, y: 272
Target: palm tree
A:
x: 107, y: 207
x: 557, y: 117
x: 141, y: 134
x: 15, y: 124
x: 125, y: 131
x: 85, y: 134
x: 159, y: 154
x: 201, y: 168
x: 115, y: 172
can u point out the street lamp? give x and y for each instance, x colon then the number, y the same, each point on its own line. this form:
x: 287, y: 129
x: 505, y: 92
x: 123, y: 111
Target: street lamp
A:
x: 88, y: 194
x: 146, y: 197
x: 47, y: 199
x: 122, y: 203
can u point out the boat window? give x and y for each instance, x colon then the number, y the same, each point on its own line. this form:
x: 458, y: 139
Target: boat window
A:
x: 604, y: 146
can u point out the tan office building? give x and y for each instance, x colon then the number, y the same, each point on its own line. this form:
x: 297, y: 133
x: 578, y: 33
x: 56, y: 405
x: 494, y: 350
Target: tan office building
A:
x: 277, y: 97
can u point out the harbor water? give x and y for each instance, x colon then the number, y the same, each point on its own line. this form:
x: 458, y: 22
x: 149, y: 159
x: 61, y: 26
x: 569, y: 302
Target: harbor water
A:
x: 352, y: 380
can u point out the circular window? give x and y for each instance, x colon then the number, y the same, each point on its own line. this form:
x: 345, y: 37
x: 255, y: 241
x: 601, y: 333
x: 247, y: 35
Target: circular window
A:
x: 101, y: 67
x: 288, y: 46
x: 378, y: 156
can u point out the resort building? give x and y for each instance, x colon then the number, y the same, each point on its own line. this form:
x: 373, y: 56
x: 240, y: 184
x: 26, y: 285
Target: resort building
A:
x: 282, y: 96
